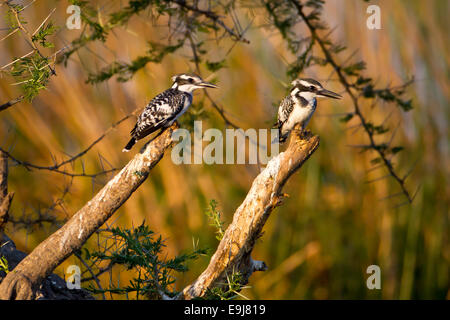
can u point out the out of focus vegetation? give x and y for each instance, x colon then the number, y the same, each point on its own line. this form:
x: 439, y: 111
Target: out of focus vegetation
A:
x: 343, y: 213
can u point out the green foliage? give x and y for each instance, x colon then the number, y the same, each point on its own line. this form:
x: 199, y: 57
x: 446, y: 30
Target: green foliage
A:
x: 98, y: 31
x: 32, y: 74
x: 215, y: 66
x: 4, y: 265
x: 229, y: 290
x: 214, y: 215
x: 31, y: 71
x: 395, y: 150
x: 139, y: 249
x: 95, y: 30
x: 284, y: 18
x: 353, y: 69
x: 304, y: 59
x: 10, y: 16
x: 133, y: 8
x: 388, y: 95
x: 347, y: 117
x: 201, y: 22
x: 380, y: 129
x: 125, y: 71
x: 342, y: 261
x: 45, y: 31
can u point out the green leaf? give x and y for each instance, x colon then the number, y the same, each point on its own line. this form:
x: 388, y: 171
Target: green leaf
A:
x: 406, y: 105
x: 397, y: 149
x: 215, y: 66
x: 347, y: 118
x: 368, y: 91
x: 376, y: 160
x: 43, y: 33
x: 354, y: 69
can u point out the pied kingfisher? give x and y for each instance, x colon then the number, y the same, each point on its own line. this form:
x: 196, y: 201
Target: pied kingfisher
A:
x: 166, y: 107
x: 299, y: 106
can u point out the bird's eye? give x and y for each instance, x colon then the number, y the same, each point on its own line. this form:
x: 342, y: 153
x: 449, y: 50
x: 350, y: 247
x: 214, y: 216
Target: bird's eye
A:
x: 191, y: 80
x: 312, y: 88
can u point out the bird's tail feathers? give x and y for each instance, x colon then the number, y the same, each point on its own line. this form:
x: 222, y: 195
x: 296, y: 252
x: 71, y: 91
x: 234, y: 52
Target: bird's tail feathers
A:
x: 283, y: 138
x: 280, y: 138
x: 129, y: 145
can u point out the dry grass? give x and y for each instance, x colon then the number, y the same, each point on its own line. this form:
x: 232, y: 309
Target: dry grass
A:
x: 320, y: 242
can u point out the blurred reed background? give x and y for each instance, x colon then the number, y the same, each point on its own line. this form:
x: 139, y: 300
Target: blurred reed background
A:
x: 334, y: 225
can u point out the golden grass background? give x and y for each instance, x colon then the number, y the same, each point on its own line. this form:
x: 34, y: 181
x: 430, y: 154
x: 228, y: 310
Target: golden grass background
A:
x: 334, y: 225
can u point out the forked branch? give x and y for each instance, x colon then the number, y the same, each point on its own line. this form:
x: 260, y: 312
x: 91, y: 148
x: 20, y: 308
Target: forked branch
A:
x: 233, y: 253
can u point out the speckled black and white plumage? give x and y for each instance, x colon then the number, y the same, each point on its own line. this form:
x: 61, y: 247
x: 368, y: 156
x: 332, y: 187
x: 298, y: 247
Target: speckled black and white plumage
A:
x: 161, y: 112
x: 293, y: 110
x: 166, y: 107
x: 299, y: 106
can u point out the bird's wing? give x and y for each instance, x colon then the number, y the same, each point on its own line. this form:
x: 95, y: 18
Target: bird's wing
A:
x: 159, y: 112
x: 284, y: 110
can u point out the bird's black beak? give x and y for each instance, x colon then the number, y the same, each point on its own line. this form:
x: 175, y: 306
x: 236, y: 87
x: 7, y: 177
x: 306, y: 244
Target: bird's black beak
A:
x: 328, y: 94
x: 207, y: 85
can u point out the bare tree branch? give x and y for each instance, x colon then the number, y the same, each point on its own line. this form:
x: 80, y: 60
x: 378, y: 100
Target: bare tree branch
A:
x: 214, y: 17
x: 24, y: 282
x: 57, y: 166
x: 234, y: 251
x: 5, y: 197
x: 10, y: 103
x: 357, y: 110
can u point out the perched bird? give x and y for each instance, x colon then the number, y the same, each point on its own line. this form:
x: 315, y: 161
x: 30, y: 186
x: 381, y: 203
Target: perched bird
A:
x: 166, y: 107
x: 299, y: 106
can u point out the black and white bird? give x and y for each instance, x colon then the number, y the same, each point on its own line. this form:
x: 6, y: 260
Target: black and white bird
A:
x: 299, y: 106
x: 166, y: 107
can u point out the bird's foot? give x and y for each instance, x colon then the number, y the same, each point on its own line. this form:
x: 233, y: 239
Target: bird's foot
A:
x: 303, y: 134
x: 300, y: 133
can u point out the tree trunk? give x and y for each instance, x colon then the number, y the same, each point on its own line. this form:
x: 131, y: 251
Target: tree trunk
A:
x: 26, y: 278
x: 234, y: 251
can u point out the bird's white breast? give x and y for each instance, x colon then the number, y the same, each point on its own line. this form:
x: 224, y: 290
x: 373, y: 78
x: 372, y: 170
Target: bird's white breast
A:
x: 300, y: 115
x: 187, y: 103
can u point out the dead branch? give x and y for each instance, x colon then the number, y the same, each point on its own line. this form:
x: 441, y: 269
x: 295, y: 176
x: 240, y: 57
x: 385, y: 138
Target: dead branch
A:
x: 234, y: 251
x: 357, y: 109
x: 10, y: 103
x: 5, y: 196
x: 57, y: 166
x: 52, y: 288
x: 213, y: 17
x: 27, y: 277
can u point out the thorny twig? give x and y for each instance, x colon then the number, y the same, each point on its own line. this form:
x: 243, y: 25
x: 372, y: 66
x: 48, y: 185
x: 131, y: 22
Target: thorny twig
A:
x: 71, y: 160
x: 29, y: 39
x: 29, y: 36
x: 214, y: 17
x: 357, y: 110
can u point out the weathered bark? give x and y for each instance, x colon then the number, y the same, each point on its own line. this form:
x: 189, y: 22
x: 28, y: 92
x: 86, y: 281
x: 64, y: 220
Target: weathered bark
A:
x: 234, y: 251
x: 27, y: 276
x: 53, y: 287
x: 5, y: 196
